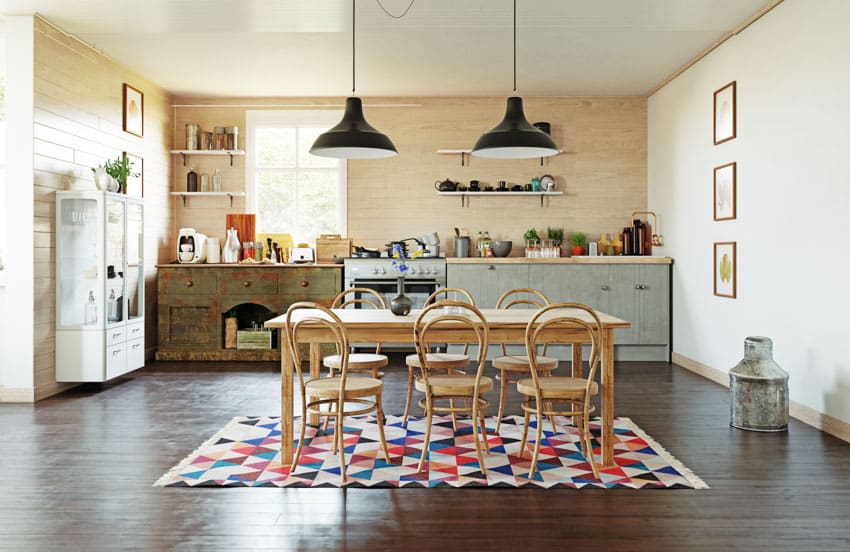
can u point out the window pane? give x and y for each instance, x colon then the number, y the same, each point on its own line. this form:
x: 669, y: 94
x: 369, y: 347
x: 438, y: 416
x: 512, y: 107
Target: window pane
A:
x: 306, y: 137
x: 275, y: 147
x: 276, y: 207
x: 318, y: 202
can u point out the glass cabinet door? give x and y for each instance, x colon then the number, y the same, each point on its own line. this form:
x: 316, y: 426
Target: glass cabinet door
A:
x: 135, y: 275
x: 115, y: 259
x: 79, y: 290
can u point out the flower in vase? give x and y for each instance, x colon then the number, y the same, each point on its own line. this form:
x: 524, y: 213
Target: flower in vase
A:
x: 399, y: 260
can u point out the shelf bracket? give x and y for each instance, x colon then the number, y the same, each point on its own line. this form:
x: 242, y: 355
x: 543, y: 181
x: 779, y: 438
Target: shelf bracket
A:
x: 183, y: 155
x: 231, y: 164
x: 184, y: 200
x: 541, y: 195
x: 231, y: 195
x: 463, y: 161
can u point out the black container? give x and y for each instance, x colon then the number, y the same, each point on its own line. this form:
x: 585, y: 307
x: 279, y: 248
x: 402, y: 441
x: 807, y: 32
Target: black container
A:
x: 543, y: 126
x: 638, y: 238
x: 627, y: 241
x: 192, y: 181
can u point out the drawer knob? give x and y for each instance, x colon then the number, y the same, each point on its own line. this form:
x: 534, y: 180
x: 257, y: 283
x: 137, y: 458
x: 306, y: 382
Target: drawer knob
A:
x: 246, y: 283
x: 304, y: 283
x: 189, y: 283
x: 116, y: 336
x: 136, y: 345
x: 136, y: 330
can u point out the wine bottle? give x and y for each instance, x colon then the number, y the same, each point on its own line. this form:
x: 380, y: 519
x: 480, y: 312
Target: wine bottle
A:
x: 192, y: 181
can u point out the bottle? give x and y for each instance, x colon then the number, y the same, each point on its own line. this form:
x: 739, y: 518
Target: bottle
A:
x: 112, y: 307
x: 216, y: 181
x: 627, y: 241
x: 638, y: 238
x: 90, y: 310
x: 192, y: 181
x: 205, y: 182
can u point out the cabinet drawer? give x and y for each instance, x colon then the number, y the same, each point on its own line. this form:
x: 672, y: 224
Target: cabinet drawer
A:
x: 135, y: 330
x: 183, y: 281
x: 311, y: 283
x: 114, y: 336
x: 135, y: 353
x: 248, y: 282
x: 116, y: 360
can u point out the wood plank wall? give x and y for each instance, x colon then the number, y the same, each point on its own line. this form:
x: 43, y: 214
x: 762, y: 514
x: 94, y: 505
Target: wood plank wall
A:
x: 78, y: 125
x: 603, y: 169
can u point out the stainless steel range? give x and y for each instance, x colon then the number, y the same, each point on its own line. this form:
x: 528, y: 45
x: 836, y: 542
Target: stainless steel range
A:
x: 424, y: 276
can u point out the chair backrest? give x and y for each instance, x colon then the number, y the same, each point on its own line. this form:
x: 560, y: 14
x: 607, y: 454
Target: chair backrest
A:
x: 520, y: 296
x: 455, y: 294
x: 436, y: 323
x: 564, y: 319
x: 359, y: 297
x: 325, y: 319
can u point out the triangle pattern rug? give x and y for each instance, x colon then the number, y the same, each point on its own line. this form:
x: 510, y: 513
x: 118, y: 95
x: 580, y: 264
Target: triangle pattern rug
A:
x: 246, y: 453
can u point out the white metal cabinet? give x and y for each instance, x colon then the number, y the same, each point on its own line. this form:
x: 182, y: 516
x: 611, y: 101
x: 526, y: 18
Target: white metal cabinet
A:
x: 99, y: 245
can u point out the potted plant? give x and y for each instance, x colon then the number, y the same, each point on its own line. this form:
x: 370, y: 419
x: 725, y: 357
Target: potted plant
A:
x: 578, y: 240
x: 119, y: 169
x: 532, y: 240
x: 556, y: 235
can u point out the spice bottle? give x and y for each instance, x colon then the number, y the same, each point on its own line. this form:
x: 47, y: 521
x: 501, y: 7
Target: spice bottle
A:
x: 216, y: 181
x: 205, y: 182
x: 192, y: 181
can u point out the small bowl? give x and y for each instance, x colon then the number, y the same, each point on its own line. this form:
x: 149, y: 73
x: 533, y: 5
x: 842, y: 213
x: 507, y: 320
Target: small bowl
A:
x: 501, y: 248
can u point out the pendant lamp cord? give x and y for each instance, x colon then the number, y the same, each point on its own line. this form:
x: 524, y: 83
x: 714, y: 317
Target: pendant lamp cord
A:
x: 514, y: 47
x: 353, y: 57
x: 396, y: 16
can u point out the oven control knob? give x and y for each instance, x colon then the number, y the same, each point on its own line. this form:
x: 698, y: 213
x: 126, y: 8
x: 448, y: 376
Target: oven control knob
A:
x: 412, y: 270
x: 383, y: 270
x: 426, y: 270
x: 374, y: 270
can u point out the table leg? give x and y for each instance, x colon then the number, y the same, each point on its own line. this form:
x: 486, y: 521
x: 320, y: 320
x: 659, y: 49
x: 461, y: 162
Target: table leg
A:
x: 286, y: 381
x: 608, y: 399
x: 577, y: 371
x: 315, y: 372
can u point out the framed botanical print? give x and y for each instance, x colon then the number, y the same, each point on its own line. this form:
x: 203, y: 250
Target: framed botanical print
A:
x: 136, y: 179
x: 724, y: 191
x: 134, y: 111
x: 725, y: 269
x: 724, y: 113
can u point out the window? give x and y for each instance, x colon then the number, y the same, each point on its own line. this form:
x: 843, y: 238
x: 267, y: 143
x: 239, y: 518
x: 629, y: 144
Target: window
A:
x: 288, y: 189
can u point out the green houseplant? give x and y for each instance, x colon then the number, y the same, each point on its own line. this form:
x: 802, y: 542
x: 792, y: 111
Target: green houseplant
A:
x: 578, y: 240
x: 120, y: 169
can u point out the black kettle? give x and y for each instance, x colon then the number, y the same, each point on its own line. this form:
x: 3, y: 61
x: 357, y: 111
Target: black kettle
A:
x: 445, y: 186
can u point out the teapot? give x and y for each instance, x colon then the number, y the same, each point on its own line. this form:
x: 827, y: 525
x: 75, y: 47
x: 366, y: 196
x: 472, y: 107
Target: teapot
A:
x: 445, y: 186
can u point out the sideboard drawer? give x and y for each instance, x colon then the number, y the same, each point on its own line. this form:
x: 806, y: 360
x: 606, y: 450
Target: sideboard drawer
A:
x: 247, y: 282
x: 176, y: 282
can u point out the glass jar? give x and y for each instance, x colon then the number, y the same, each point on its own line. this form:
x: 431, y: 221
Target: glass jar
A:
x: 232, y: 133
x: 247, y: 250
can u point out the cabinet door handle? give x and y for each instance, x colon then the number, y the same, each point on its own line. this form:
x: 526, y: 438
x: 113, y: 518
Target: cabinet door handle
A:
x: 136, y: 330
x: 116, y: 351
x: 136, y: 345
x: 116, y: 336
x: 641, y: 286
x: 189, y: 283
x: 246, y: 283
x: 304, y: 283
x: 491, y: 267
x: 605, y: 288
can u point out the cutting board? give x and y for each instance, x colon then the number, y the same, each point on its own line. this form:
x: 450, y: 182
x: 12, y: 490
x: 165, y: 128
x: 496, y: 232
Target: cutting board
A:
x: 244, y: 224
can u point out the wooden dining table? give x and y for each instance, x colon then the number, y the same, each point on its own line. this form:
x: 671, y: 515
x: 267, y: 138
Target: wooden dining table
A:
x: 381, y: 325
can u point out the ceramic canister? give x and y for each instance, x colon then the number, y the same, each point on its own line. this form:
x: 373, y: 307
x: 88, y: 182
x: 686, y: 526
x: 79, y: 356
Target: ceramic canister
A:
x: 213, y: 251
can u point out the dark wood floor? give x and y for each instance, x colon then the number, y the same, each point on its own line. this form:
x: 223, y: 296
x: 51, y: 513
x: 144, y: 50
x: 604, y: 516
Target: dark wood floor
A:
x: 77, y: 472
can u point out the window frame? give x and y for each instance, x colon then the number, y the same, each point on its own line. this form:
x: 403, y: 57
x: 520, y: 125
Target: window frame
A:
x: 291, y: 118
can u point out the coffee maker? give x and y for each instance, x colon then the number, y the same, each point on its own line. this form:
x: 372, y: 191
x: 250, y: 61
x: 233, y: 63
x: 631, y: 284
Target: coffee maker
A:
x: 191, y: 246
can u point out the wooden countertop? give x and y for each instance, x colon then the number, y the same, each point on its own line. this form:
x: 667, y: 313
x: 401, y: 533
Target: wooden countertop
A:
x: 562, y: 260
x: 250, y: 265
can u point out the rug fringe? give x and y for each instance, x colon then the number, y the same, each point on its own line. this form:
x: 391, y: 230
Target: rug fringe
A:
x: 162, y: 481
x: 697, y: 482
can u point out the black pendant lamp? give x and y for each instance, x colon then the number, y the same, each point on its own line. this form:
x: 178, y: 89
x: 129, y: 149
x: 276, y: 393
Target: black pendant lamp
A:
x: 514, y: 137
x: 353, y: 137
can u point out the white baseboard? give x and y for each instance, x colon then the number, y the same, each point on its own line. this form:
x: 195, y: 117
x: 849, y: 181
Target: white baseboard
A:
x: 19, y: 395
x: 810, y: 416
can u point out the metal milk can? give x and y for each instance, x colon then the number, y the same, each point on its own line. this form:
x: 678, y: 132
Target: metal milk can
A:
x: 759, y: 389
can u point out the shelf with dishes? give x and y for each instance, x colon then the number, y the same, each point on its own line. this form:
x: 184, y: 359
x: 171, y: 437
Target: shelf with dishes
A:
x: 465, y: 154
x: 186, y: 195
x: 231, y: 153
x: 464, y: 195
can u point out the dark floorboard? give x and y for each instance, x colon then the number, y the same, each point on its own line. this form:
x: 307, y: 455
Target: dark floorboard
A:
x: 77, y: 471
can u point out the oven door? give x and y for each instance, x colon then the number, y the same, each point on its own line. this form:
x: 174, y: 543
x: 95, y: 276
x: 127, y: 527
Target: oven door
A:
x: 417, y: 290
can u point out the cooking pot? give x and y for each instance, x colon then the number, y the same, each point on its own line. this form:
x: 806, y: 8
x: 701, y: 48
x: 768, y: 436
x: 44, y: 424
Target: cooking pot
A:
x: 445, y: 186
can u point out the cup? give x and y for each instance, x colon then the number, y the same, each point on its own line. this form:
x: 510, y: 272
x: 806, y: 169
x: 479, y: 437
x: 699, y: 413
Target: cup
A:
x: 503, y: 185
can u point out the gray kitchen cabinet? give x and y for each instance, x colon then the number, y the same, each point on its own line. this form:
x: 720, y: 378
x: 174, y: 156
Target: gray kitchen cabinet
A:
x: 487, y: 282
x: 558, y: 282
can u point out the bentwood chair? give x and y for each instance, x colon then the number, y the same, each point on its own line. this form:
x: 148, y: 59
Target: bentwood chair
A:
x: 512, y: 368
x: 452, y: 392
x: 343, y: 396
x: 560, y: 395
x: 359, y: 362
x: 443, y: 362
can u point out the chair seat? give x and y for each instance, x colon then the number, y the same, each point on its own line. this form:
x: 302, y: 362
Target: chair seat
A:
x: 454, y: 385
x: 328, y: 388
x: 357, y: 361
x: 557, y: 387
x: 439, y: 360
x: 519, y: 363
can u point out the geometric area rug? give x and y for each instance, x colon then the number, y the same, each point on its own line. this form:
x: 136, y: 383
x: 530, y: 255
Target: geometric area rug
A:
x: 246, y: 453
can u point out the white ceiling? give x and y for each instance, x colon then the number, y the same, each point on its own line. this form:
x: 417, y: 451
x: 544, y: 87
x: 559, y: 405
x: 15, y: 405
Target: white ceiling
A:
x: 440, y: 48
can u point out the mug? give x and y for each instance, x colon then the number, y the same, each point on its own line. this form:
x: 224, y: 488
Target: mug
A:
x: 502, y: 185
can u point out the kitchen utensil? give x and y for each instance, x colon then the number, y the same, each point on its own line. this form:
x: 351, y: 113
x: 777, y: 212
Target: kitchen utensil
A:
x: 501, y: 248
x: 364, y: 253
x: 543, y: 126
x: 462, y: 246
x: 445, y: 186
x: 457, y: 232
x: 516, y: 188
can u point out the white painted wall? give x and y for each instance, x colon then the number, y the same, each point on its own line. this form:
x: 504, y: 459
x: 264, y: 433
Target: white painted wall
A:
x: 16, y: 309
x: 793, y: 222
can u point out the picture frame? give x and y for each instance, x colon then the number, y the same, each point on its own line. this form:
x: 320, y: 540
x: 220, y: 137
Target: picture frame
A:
x: 134, y: 111
x: 725, y: 269
x: 725, y: 186
x: 135, y: 184
x: 725, y: 118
